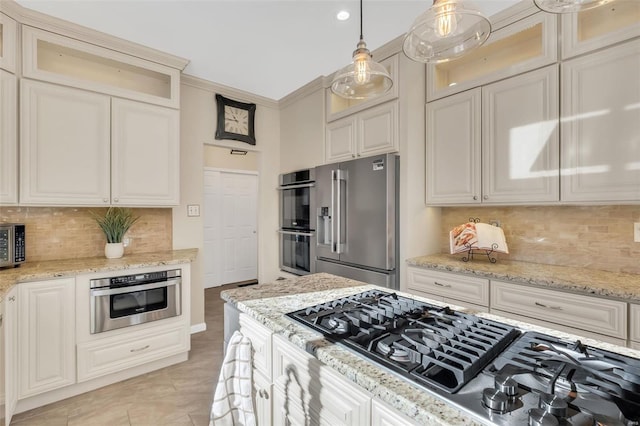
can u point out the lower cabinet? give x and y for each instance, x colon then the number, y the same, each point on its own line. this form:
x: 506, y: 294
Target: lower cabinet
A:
x: 634, y: 326
x: 595, y: 317
x: 306, y: 391
x: 469, y: 292
x: 110, y: 355
x: 46, y: 324
x: 10, y: 341
x: 383, y: 415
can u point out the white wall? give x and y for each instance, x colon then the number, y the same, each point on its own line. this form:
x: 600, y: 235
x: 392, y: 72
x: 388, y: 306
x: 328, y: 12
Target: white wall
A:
x: 197, y: 128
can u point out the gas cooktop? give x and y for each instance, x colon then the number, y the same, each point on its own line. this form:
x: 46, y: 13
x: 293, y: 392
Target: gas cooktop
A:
x: 491, y: 370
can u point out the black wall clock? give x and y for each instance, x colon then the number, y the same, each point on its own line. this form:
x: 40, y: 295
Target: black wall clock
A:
x: 235, y: 120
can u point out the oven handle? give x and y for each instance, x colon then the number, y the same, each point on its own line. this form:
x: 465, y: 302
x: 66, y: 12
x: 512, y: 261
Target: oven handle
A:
x: 305, y: 234
x: 131, y: 289
x: 301, y: 185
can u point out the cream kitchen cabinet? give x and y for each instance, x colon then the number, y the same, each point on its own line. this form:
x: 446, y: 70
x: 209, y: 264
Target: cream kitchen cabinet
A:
x: 487, y: 145
x: 599, y: 27
x: 305, y: 390
x: 8, y: 43
x: 10, y: 354
x: 600, y: 115
x: 46, y: 330
x: 369, y: 132
x: 83, y: 148
x: 634, y: 325
x: 260, y: 338
x: 603, y: 319
x: 382, y: 415
x: 462, y: 290
x: 8, y: 139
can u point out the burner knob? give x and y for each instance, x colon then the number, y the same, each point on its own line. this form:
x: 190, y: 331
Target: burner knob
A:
x: 539, y: 417
x: 495, y: 400
x: 507, y: 385
x: 553, y: 405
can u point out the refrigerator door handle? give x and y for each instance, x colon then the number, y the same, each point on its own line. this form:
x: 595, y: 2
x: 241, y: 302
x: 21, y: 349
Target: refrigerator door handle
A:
x: 340, y: 176
x: 333, y: 210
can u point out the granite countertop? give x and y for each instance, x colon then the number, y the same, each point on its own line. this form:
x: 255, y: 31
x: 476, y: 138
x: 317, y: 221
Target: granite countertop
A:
x: 267, y: 303
x: 34, y: 271
x: 616, y: 285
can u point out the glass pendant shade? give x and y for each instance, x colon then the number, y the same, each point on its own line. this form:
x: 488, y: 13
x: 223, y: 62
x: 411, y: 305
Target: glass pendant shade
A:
x: 363, y: 78
x: 568, y: 6
x: 445, y: 31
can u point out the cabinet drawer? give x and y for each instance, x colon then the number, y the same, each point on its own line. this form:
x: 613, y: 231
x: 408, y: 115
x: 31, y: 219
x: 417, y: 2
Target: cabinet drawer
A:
x: 114, y: 354
x: 453, y: 286
x: 260, y: 337
x: 634, y: 322
x: 608, y: 317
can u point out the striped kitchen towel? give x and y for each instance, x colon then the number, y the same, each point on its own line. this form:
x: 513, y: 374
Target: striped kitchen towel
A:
x: 232, y: 400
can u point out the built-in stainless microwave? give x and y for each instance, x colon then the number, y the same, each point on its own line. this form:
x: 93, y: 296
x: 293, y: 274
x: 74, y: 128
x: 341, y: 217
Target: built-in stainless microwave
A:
x: 12, y: 244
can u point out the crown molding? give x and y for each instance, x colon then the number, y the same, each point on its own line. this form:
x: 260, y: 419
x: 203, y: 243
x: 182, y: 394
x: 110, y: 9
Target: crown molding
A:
x: 238, y: 94
x: 32, y: 18
x: 302, y: 92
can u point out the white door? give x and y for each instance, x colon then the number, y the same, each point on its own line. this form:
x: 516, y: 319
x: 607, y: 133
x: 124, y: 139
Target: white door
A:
x: 230, y: 227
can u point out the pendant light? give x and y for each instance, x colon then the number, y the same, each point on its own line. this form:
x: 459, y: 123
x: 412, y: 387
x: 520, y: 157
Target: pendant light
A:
x: 363, y: 78
x: 445, y: 31
x: 568, y: 6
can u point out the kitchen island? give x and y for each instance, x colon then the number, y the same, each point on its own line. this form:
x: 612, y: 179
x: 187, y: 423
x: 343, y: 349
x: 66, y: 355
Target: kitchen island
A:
x: 267, y: 303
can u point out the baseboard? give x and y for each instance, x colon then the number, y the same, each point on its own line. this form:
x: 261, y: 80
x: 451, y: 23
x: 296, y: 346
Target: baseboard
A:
x: 197, y: 328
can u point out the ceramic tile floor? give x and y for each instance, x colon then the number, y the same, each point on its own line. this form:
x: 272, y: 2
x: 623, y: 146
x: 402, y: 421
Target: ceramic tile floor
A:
x: 177, y: 395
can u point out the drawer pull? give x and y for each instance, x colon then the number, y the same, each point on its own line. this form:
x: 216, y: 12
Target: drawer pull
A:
x: 12, y: 299
x: 140, y: 349
x: 442, y: 285
x: 555, y: 308
x: 263, y: 394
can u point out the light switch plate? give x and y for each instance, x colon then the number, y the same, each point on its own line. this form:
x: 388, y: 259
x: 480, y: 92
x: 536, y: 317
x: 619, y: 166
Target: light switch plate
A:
x: 193, y: 210
x: 636, y: 232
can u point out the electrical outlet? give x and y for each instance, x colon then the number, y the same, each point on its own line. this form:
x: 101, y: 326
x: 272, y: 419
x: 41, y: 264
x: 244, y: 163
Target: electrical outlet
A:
x: 193, y: 210
x: 636, y: 232
x: 126, y: 241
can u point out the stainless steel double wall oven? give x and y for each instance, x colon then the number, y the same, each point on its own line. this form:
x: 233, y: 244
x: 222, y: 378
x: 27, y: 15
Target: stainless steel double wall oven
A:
x: 297, y: 233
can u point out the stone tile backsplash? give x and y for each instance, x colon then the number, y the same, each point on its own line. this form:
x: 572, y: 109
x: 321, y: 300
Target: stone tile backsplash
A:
x: 71, y: 233
x: 594, y: 237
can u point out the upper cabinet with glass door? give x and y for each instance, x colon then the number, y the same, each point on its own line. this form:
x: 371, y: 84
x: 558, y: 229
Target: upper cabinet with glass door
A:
x: 8, y: 32
x: 600, y: 27
x: 517, y: 45
x: 62, y: 60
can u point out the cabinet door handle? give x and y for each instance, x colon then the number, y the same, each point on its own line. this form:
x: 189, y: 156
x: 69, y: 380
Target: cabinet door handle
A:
x: 105, y: 200
x: 475, y: 197
x: 486, y: 197
x: 442, y: 285
x: 263, y: 394
x: 555, y: 308
x: 140, y: 349
x: 115, y: 200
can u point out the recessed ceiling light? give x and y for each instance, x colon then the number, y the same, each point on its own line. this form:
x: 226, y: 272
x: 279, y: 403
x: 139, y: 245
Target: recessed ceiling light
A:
x: 343, y: 15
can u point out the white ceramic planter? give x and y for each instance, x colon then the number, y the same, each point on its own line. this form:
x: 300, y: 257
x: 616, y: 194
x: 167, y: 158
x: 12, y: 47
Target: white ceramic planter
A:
x: 113, y: 250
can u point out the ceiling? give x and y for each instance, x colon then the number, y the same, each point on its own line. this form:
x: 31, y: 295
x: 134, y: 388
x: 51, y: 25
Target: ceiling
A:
x: 265, y: 47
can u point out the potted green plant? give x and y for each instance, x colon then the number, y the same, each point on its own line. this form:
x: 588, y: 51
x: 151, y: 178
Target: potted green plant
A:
x: 115, y: 222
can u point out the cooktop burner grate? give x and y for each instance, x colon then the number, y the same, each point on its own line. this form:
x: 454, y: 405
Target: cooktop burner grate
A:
x: 431, y: 345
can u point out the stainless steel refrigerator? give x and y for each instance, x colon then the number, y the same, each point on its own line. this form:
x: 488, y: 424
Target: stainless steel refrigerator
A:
x: 357, y: 220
